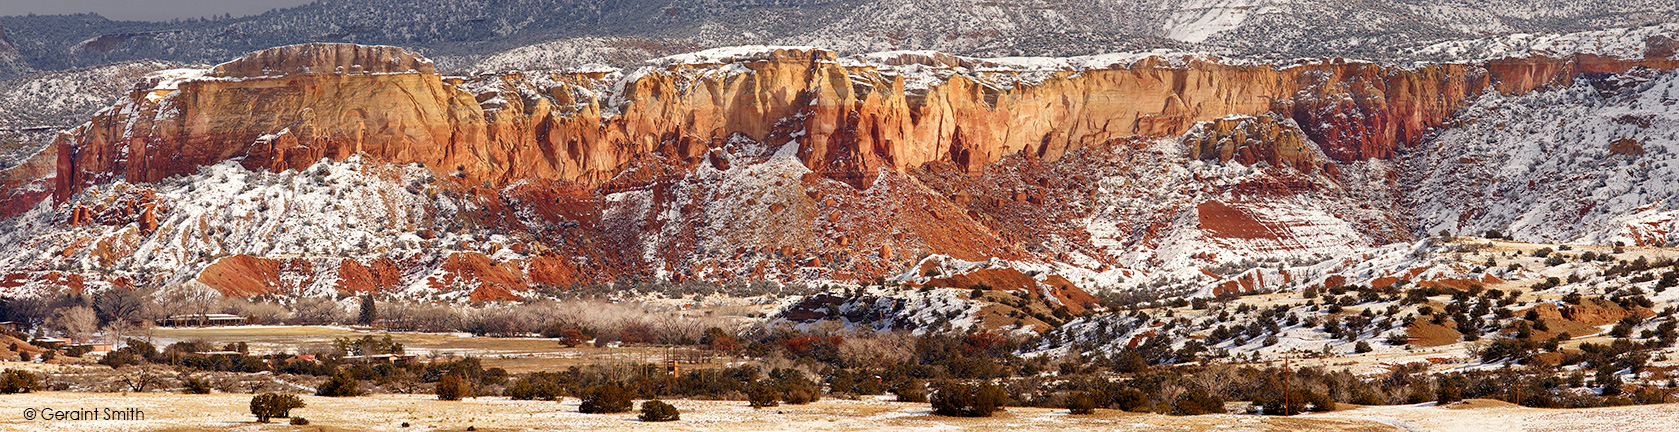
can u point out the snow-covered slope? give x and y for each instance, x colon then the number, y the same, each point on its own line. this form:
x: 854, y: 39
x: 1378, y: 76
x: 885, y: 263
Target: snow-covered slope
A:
x: 36, y: 107
x: 1591, y: 162
x: 169, y: 232
x: 1623, y: 42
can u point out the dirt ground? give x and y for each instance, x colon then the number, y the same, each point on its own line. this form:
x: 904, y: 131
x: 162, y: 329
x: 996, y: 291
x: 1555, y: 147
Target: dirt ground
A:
x: 175, y: 412
x: 1484, y: 415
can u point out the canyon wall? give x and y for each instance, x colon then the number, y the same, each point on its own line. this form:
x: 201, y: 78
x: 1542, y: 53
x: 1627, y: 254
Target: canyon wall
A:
x: 286, y: 107
x: 492, y: 185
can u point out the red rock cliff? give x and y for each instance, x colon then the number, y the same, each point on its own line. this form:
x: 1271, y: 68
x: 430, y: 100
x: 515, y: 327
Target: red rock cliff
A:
x: 286, y: 107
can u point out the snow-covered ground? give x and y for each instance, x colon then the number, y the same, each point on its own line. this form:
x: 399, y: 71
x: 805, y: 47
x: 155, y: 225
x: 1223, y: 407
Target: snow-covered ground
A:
x: 389, y: 412
x: 1595, y: 162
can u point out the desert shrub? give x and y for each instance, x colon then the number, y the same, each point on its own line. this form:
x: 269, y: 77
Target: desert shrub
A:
x: 764, y: 396
x: 305, y: 368
x: 1196, y: 402
x: 1321, y: 402
x: 270, y: 405
x: 1081, y: 403
x: 1417, y: 396
x: 912, y: 391
x: 795, y: 387
x: 1297, y: 401
x: 1362, y: 347
x: 1128, y: 399
x: 192, y: 385
x: 14, y: 381
x: 341, y: 385
x: 1447, y: 394
x: 967, y: 400
x: 536, y: 386
x: 299, y: 421
x: 658, y: 411
x: 115, y: 359
x: 470, y: 369
x: 605, y: 399
x: 453, y: 387
x: 799, y: 395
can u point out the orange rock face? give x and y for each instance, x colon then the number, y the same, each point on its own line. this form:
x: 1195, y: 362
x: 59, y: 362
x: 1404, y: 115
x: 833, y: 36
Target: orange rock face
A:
x: 286, y: 107
x: 919, y: 140
x: 280, y: 109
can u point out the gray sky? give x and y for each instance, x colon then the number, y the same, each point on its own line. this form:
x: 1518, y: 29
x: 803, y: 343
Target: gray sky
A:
x: 145, y: 10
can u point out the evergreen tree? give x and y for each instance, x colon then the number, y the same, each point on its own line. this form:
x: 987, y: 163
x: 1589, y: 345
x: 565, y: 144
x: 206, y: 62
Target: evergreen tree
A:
x: 369, y: 311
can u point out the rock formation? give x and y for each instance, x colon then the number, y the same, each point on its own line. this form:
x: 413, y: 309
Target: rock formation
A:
x: 633, y: 158
x: 286, y: 107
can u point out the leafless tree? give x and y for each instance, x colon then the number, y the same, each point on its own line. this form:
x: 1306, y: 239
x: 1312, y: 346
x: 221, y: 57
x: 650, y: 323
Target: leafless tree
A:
x: 139, y: 381
x: 315, y: 310
x: 77, y: 322
x: 876, y: 350
x: 259, y: 312
x: 225, y: 384
x: 116, y: 305
x: 190, y: 297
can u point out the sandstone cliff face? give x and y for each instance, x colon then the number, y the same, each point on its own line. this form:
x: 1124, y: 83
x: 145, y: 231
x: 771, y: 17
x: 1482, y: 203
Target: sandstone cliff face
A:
x: 773, y: 163
x: 321, y: 104
x: 27, y: 184
x: 287, y: 107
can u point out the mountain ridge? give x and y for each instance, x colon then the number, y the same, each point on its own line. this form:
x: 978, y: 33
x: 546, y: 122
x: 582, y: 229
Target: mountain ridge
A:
x: 803, y: 189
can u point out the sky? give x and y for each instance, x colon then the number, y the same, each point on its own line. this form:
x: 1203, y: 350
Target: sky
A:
x: 146, y: 10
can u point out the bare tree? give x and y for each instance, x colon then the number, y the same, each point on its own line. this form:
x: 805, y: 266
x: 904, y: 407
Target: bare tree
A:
x: 115, y: 305
x: 225, y: 384
x: 139, y: 381
x: 77, y: 322
x: 314, y: 310
x: 260, y: 312
x: 877, y: 350
x: 186, y: 298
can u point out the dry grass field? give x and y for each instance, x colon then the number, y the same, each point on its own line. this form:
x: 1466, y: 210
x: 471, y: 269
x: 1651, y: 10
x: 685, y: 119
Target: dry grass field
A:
x: 386, y: 412
x: 516, y: 355
x: 423, y: 412
x: 174, y: 412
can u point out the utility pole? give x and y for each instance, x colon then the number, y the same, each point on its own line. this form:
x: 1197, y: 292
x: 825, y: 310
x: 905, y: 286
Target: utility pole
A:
x: 1286, y: 405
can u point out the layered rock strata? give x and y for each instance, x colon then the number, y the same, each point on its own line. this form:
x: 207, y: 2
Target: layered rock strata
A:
x: 286, y: 107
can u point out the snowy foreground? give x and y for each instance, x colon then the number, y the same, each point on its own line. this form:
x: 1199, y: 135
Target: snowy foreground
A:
x: 425, y: 413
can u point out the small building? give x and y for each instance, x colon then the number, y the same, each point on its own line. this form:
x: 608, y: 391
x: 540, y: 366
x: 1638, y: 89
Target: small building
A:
x: 396, y: 359
x: 12, y: 326
x: 91, y: 347
x: 49, y: 342
x: 203, y: 320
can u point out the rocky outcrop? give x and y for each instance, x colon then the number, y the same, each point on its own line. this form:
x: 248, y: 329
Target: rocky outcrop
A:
x: 286, y: 107
x: 1249, y: 140
x: 27, y: 184
x: 683, y: 170
x: 324, y: 59
x: 174, y: 124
